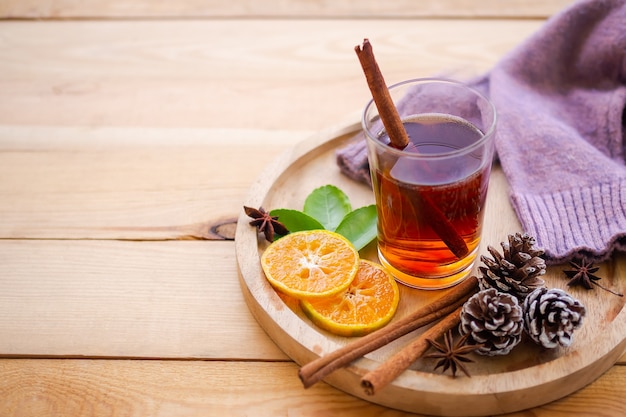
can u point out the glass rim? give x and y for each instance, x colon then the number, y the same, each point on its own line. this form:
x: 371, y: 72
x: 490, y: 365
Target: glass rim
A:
x: 485, y: 136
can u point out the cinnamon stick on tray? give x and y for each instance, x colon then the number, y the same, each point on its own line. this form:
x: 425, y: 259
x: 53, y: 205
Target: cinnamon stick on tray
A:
x: 380, y: 377
x: 399, y: 139
x: 318, y: 369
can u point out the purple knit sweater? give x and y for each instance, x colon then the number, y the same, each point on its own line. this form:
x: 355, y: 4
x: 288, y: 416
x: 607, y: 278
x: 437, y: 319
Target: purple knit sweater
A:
x: 561, y: 136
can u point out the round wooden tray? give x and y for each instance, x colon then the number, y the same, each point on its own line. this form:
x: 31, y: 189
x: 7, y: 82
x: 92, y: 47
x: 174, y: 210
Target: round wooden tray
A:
x: 529, y: 376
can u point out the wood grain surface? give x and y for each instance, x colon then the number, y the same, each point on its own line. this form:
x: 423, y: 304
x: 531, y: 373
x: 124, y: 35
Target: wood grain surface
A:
x: 215, y: 388
x: 179, y: 73
x: 128, y: 183
x: 130, y: 134
x: 538, y: 375
x: 273, y: 8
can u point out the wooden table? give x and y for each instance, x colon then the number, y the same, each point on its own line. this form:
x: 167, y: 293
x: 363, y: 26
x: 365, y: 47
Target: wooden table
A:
x: 130, y: 133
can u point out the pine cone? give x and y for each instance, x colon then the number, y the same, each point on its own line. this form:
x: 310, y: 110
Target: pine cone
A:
x: 494, y: 320
x: 551, y: 316
x: 517, y: 271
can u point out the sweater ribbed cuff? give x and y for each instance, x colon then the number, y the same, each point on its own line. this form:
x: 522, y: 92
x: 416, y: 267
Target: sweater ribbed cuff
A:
x: 585, y: 222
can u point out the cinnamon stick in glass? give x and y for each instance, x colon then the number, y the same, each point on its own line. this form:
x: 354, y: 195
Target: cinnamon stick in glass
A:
x: 318, y: 369
x: 399, y: 139
x: 380, y: 93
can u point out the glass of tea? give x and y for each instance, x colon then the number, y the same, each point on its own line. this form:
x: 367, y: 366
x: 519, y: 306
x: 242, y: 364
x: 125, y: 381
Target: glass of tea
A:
x: 430, y: 195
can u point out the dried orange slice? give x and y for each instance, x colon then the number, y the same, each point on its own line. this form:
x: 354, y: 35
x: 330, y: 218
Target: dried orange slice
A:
x: 310, y: 263
x: 368, y: 304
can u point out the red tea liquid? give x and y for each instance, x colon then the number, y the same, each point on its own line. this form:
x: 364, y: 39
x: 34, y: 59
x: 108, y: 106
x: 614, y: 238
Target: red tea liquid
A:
x: 408, y: 240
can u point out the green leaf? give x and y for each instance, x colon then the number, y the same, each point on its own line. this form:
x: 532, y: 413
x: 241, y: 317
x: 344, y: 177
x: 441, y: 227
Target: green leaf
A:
x: 295, y: 220
x: 329, y: 205
x: 359, y: 226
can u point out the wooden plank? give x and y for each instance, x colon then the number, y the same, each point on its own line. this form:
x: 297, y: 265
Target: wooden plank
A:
x: 276, y: 8
x: 277, y: 74
x: 199, y: 388
x: 129, y: 183
x: 126, y: 299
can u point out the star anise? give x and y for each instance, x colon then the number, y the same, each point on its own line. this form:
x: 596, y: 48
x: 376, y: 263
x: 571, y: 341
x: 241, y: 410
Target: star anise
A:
x: 452, y: 355
x: 584, y: 274
x: 266, y: 223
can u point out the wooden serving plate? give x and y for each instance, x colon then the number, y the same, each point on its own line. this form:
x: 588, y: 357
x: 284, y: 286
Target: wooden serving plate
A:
x: 529, y: 376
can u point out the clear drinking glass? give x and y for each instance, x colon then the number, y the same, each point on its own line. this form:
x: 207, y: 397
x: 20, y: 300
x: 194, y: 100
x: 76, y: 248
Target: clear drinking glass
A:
x: 431, y: 195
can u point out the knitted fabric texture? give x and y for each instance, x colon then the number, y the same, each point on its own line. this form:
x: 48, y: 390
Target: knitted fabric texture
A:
x: 561, y: 136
